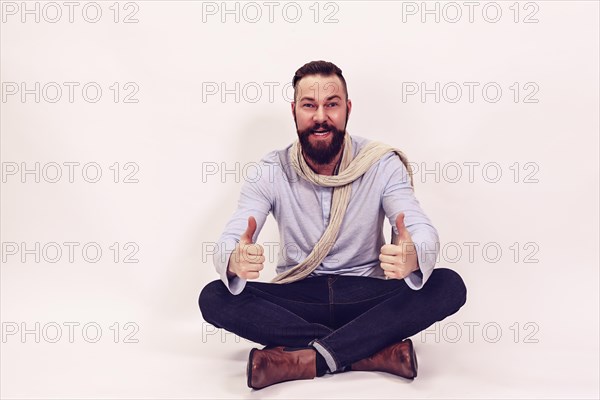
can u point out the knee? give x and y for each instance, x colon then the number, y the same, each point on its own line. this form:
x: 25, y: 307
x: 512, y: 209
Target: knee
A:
x: 209, y: 299
x: 454, y: 287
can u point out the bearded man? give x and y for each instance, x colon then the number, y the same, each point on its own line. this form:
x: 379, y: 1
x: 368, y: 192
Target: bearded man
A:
x: 343, y: 299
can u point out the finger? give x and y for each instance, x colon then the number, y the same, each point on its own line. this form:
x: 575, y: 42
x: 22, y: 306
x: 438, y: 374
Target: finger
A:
x: 254, y: 267
x: 251, y: 253
x: 254, y: 249
x: 388, y: 259
x: 403, y: 233
x: 250, y: 275
x: 246, y: 237
x: 391, y: 250
x: 388, y: 267
x: 389, y: 274
x: 246, y: 268
x: 252, y: 259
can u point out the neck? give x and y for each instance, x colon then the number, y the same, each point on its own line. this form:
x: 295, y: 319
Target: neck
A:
x: 324, y: 169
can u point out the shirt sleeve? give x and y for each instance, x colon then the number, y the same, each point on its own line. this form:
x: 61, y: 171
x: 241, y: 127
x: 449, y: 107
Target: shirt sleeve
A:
x: 399, y: 196
x: 256, y: 200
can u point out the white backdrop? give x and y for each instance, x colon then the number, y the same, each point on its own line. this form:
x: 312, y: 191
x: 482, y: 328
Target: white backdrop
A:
x: 127, y: 130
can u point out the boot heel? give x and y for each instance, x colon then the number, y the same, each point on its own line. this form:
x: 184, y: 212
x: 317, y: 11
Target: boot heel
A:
x: 249, y: 368
x: 413, y: 357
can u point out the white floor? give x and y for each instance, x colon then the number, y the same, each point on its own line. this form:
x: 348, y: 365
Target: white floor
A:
x: 184, y: 367
x: 177, y: 355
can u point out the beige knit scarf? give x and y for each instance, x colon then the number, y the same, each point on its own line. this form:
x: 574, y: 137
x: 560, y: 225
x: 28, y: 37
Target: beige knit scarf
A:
x: 350, y: 170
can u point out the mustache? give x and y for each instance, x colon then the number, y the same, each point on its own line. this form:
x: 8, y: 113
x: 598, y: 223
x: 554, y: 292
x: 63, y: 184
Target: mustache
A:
x: 321, y: 127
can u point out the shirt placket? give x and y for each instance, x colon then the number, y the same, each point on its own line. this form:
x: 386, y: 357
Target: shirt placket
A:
x: 325, y: 193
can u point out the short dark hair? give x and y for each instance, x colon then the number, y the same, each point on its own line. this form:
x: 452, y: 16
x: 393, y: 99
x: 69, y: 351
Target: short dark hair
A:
x: 323, y: 68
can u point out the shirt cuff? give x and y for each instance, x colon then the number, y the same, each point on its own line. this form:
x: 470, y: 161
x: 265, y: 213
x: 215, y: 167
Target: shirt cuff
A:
x: 417, y: 279
x: 236, y: 284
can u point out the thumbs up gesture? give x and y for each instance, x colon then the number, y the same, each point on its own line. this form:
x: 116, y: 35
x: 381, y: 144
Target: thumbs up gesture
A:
x: 399, y: 259
x: 247, y: 259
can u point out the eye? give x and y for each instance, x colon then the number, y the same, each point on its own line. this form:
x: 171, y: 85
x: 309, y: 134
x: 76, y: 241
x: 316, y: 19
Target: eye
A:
x: 307, y: 105
x: 334, y: 104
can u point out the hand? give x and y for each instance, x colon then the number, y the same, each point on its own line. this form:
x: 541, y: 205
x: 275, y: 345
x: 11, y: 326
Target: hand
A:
x: 399, y: 259
x: 247, y: 259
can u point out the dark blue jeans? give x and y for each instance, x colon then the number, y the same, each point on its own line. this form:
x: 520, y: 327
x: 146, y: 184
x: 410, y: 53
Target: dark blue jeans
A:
x: 345, y: 318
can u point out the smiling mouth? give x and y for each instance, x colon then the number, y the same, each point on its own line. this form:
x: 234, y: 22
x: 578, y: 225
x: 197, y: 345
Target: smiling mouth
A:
x: 321, y: 132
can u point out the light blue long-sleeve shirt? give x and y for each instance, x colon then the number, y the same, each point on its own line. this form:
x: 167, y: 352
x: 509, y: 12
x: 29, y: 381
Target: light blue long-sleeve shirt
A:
x: 302, y: 209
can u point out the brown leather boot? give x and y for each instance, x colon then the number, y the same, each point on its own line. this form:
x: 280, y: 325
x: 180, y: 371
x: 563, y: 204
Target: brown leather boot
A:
x: 279, y: 364
x: 398, y: 359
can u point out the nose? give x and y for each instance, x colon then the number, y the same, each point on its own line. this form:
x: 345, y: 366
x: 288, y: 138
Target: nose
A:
x: 319, y: 116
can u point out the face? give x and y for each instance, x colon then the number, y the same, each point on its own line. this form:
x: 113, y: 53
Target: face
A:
x: 321, y: 113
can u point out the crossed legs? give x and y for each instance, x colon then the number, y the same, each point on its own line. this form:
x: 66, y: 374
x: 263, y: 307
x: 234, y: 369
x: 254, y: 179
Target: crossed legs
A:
x: 344, y: 318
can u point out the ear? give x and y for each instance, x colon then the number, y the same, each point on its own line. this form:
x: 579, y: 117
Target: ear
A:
x: 349, y: 106
x: 293, y: 104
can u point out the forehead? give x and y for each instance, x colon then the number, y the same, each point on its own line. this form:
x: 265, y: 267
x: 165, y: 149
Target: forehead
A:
x: 319, y: 87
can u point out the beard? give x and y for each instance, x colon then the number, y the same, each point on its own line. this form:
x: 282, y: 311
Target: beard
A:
x: 322, y: 152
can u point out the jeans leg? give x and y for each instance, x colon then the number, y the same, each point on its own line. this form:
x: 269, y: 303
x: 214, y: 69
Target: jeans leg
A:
x: 403, y: 314
x: 268, y: 313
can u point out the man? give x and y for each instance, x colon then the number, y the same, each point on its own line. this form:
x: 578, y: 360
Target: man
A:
x: 343, y: 299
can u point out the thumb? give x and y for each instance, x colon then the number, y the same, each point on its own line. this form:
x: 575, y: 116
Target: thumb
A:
x: 402, y: 231
x: 246, y: 237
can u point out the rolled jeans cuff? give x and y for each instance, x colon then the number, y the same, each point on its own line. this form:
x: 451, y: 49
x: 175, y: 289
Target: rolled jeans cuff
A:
x: 326, y: 355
